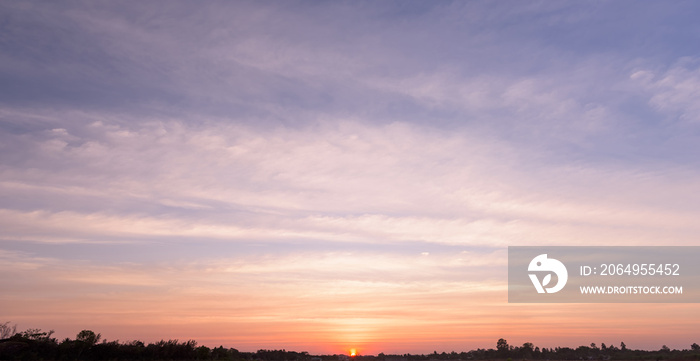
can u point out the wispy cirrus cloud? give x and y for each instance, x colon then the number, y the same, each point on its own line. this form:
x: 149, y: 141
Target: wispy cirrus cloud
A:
x: 340, y: 182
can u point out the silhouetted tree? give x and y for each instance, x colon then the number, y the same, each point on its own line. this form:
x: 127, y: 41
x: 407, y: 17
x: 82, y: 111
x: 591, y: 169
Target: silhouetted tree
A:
x: 203, y: 353
x: 36, y: 334
x: 502, y: 347
x: 28, y: 345
x: 106, y: 351
x: 527, y: 350
x: 6, y: 331
x: 220, y: 353
x: 89, y: 337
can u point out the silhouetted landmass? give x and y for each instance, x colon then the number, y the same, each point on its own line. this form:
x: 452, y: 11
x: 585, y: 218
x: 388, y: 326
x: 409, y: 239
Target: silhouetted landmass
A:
x: 33, y: 344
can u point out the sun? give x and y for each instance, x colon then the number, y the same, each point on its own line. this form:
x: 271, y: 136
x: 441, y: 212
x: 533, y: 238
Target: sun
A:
x: 353, y: 352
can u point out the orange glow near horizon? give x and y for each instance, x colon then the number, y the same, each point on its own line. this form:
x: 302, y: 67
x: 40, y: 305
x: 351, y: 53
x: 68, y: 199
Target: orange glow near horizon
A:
x: 353, y: 352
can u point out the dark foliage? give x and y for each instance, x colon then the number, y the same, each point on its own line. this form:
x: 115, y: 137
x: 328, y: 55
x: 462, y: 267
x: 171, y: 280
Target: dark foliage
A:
x: 36, y: 345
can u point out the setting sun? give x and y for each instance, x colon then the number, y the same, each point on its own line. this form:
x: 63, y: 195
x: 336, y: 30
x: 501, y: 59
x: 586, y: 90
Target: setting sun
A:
x: 353, y: 353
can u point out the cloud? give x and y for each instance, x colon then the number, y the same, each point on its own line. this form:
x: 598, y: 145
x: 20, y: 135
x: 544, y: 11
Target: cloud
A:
x: 120, y: 181
x: 673, y: 91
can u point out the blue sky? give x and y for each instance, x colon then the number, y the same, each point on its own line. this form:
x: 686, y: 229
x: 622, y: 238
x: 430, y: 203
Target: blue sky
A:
x: 238, y: 172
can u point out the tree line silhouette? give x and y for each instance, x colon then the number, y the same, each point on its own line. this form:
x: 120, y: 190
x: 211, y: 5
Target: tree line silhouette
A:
x: 34, y: 344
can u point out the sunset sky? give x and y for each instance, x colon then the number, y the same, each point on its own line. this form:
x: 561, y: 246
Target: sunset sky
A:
x: 325, y: 176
